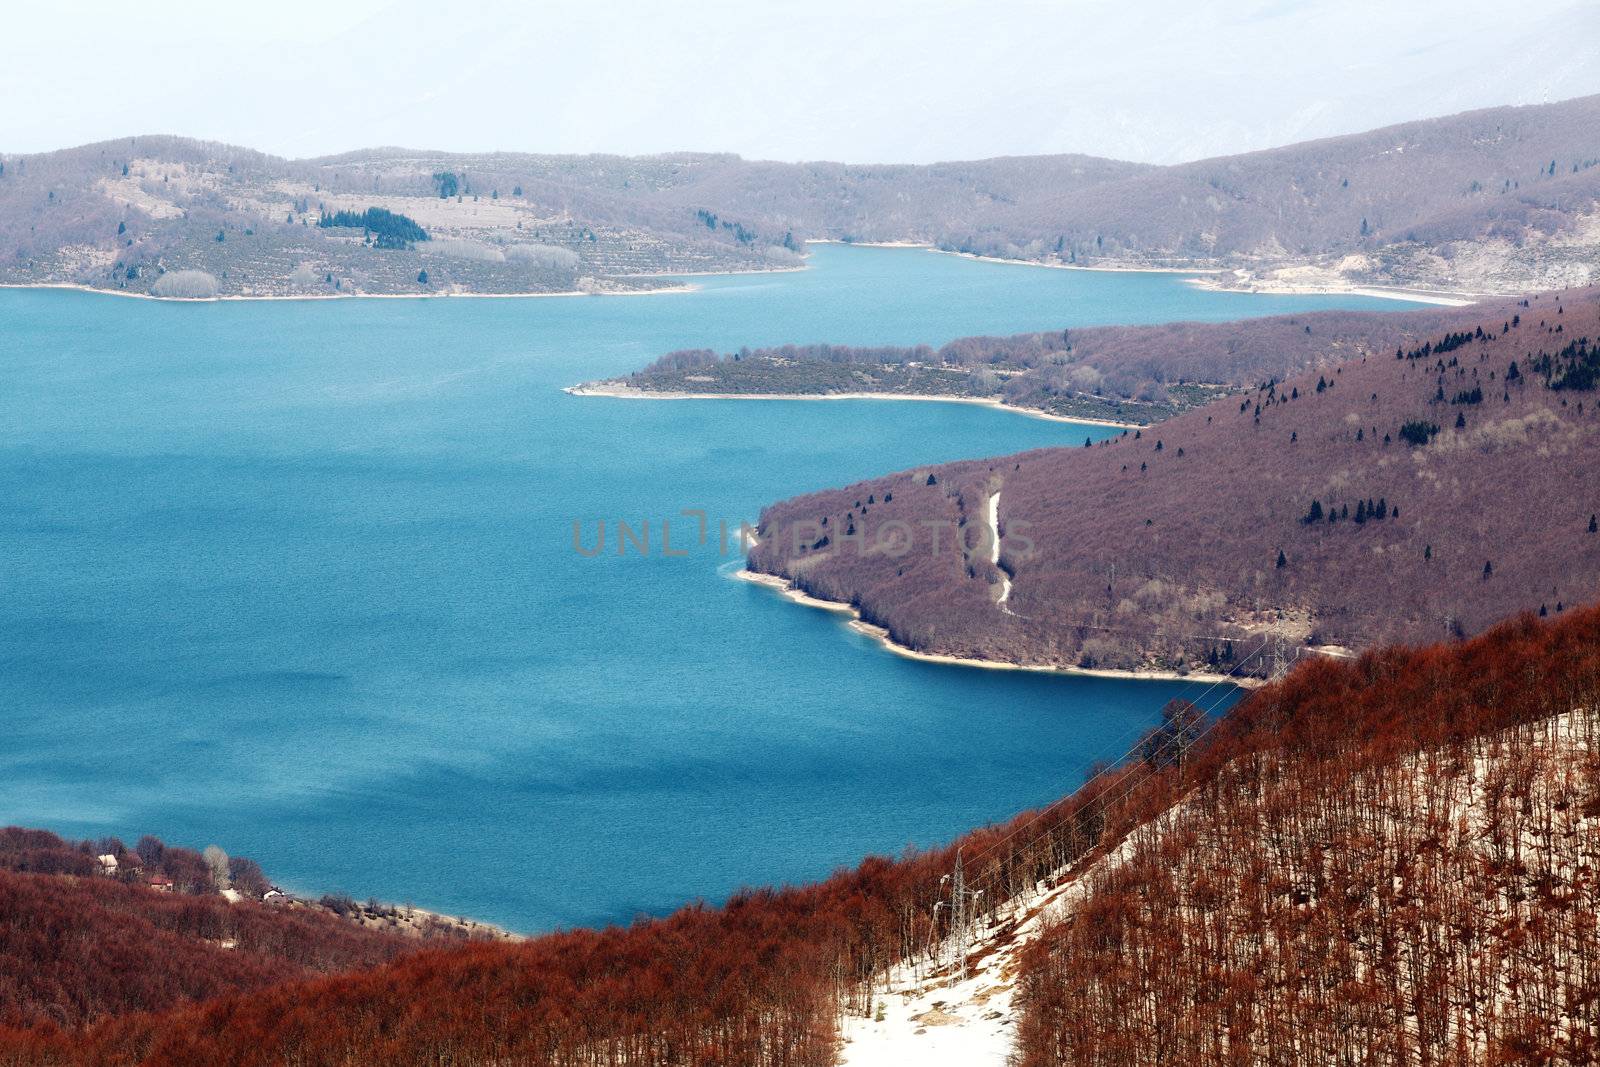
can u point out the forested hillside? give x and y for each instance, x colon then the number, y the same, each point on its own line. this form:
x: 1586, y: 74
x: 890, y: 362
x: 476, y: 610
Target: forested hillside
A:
x: 94, y: 931
x: 1408, y: 492
x: 1127, y: 374
x: 1501, y: 200
x: 120, y: 215
x: 1405, y: 874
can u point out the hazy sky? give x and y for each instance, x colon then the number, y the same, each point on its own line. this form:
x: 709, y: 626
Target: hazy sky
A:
x: 858, y: 80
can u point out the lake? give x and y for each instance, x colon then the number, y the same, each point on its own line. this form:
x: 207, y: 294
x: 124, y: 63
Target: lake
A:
x: 298, y: 578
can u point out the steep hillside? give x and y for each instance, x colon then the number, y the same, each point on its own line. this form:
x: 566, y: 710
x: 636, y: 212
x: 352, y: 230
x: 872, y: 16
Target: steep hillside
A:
x: 1408, y: 492
x: 79, y: 950
x: 93, y: 931
x: 1501, y: 200
x: 1401, y: 873
x: 1419, y: 890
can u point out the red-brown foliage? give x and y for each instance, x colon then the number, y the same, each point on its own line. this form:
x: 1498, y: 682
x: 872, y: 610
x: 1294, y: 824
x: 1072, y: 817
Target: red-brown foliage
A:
x: 77, y: 950
x: 1386, y: 862
x: 42, y: 852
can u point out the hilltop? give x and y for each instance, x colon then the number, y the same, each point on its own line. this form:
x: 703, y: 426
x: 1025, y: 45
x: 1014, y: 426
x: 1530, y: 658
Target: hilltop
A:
x: 95, y: 930
x: 1494, y: 201
x: 1403, y: 486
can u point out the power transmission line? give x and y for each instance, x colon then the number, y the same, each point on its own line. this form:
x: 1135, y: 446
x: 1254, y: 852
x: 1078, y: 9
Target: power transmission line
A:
x: 1042, y: 812
x: 963, y: 900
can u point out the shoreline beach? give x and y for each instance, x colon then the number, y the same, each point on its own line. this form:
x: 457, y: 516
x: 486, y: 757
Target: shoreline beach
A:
x: 1199, y: 277
x: 76, y: 287
x: 628, y: 392
x: 1102, y: 269
x: 788, y: 591
x: 1380, y: 292
x: 1204, y: 277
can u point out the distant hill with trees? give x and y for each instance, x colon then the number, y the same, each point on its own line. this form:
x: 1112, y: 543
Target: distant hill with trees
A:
x: 1500, y: 200
x: 1128, y: 374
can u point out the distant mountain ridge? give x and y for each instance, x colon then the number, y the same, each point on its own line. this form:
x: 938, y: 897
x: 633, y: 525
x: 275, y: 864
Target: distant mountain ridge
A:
x: 1497, y: 200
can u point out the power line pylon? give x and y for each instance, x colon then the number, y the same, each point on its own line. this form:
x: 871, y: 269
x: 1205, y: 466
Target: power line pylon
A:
x: 1280, y: 663
x: 960, y: 921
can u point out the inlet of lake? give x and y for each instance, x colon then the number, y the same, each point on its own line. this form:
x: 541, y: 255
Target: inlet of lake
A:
x: 298, y: 579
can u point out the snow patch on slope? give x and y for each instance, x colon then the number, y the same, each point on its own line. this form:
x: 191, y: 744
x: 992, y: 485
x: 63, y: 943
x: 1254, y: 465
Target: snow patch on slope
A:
x: 994, y: 551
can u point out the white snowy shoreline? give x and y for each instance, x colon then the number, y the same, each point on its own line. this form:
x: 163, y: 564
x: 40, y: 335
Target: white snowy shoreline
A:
x: 619, y: 391
x: 788, y: 590
x: 445, y: 295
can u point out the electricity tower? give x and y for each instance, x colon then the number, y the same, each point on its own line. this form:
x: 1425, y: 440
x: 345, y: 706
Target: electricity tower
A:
x: 960, y: 902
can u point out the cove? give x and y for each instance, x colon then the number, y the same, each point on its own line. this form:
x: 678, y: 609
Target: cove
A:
x: 298, y: 578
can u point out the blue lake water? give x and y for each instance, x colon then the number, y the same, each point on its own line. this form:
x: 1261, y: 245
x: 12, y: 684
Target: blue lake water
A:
x: 298, y: 579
